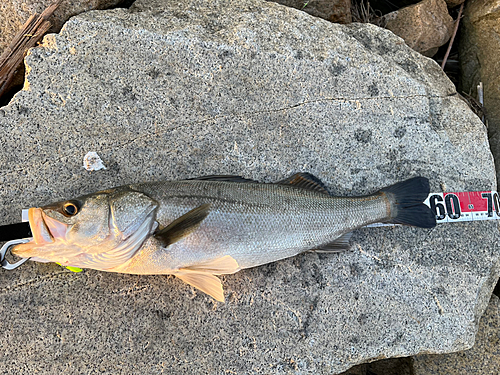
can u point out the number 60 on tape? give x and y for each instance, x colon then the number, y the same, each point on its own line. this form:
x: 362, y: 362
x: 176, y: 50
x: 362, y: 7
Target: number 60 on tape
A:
x: 464, y: 206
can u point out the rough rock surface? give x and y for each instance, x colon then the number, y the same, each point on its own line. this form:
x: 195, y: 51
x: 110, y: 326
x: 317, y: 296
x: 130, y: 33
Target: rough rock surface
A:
x: 14, y: 13
x: 256, y: 89
x: 483, y: 358
x: 331, y: 10
x: 425, y: 26
x: 479, y: 55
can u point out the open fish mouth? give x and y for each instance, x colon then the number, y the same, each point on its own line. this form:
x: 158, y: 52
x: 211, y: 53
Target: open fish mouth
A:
x: 39, y: 229
x: 45, y: 230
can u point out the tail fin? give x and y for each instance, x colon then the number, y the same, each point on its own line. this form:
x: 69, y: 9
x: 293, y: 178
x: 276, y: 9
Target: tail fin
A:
x: 406, y: 199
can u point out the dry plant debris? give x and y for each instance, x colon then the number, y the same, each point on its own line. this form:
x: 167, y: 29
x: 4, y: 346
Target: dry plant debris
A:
x: 31, y: 33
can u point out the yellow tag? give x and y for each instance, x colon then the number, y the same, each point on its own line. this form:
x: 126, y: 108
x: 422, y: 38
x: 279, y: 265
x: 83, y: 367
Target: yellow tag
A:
x: 72, y: 269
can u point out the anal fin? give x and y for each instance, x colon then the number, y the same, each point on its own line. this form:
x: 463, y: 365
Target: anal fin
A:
x: 340, y: 244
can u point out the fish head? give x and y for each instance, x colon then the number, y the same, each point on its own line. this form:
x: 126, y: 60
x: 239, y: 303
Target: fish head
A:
x: 99, y: 231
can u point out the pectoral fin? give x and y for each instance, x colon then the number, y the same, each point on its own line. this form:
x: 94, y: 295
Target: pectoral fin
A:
x: 183, y: 226
x: 205, y: 282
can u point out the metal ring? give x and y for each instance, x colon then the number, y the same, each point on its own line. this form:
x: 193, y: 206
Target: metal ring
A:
x: 6, y: 247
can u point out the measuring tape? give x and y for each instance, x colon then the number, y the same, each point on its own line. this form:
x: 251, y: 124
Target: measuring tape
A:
x: 464, y: 206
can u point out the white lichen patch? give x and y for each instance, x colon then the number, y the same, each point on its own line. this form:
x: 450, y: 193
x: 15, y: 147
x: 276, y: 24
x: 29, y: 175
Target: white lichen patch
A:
x: 49, y: 41
x: 92, y: 162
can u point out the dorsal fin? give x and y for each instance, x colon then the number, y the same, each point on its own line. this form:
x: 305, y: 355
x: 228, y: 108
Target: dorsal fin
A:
x: 226, y: 178
x: 305, y: 181
x: 183, y: 226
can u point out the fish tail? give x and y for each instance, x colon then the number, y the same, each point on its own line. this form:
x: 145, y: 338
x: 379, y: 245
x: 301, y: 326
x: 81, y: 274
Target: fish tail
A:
x: 406, y: 199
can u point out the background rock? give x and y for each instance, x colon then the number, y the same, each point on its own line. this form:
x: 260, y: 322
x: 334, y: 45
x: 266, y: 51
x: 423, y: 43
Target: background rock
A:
x: 385, y: 6
x: 425, y: 26
x: 331, y: 10
x: 483, y: 358
x: 181, y: 89
x: 479, y: 52
x: 454, y: 3
x: 392, y: 366
x: 14, y: 13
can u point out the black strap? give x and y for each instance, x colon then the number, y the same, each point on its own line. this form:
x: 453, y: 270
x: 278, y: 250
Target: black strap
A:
x: 15, y: 231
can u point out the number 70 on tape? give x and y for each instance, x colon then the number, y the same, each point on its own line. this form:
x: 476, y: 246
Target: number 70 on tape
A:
x: 464, y: 206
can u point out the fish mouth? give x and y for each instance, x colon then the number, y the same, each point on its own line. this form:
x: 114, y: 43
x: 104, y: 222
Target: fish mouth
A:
x: 45, y: 231
x: 39, y: 229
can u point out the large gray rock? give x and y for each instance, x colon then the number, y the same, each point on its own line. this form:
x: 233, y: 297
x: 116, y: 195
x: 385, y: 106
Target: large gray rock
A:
x: 182, y: 89
x: 479, y: 52
x: 483, y: 358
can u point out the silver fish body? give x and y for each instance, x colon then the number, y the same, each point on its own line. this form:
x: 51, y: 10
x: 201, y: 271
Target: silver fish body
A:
x: 253, y: 223
x: 195, y: 229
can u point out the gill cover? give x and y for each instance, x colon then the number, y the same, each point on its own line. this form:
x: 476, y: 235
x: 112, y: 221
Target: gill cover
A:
x: 102, y: 231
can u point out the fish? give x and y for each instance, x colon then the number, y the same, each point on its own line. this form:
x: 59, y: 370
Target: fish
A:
x: 197, y: 229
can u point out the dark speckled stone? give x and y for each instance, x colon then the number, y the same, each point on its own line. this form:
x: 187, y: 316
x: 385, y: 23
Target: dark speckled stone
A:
x: 482, y: 358
x: 176, y: 89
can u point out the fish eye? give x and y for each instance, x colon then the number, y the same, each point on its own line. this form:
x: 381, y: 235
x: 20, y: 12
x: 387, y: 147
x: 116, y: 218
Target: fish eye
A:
x: 70, y: 208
